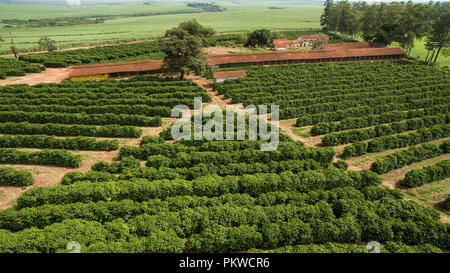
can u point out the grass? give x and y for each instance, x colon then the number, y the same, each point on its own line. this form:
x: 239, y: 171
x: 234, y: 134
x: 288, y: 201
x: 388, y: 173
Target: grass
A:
x: 300, y: 132
x: 24, y: 12
x: 420, y: 52
x: 431, y: 194
x: 238, y: 17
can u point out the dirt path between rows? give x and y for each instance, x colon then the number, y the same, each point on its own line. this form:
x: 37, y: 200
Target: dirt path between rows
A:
x: 46, y: 176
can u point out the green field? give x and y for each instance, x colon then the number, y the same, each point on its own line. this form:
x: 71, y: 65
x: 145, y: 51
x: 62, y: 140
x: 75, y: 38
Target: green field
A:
x: 420, y: 52
x: 238, y: 17
x: 9, y: 11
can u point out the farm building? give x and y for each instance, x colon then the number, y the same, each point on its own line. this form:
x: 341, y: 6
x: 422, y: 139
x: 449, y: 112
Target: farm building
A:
x: 310, y: 40
x: 302, y: 41
x: 283, y: 44
x: 114, y: 70
x: 312, y: 56
x: 329, y: 53
x: 346, y: 46
x: 222, y: 76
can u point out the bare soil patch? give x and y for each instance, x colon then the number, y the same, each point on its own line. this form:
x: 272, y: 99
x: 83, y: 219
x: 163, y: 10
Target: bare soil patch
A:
x: 50, y: 75
x: 222, y: 50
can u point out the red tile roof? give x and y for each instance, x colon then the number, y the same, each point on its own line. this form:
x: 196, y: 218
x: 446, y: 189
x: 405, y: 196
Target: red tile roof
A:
x: 284, y: 43
x: 151, y: 65
x: 229, y: 74
x: 315, y: 36
x: 299, y: 55
x: 344, y: 46
x: 94, y: 69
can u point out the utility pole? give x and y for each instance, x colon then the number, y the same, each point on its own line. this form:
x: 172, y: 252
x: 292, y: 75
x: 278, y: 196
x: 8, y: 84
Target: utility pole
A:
x: 435, y: 45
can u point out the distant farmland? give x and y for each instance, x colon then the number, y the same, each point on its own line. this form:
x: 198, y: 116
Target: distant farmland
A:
x: 236, y: 18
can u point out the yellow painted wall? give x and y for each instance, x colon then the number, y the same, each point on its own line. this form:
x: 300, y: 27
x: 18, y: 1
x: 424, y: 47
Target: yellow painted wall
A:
x: 89, y: 77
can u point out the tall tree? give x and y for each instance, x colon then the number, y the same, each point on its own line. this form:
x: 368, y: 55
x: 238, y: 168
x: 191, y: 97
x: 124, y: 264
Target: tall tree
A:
x: 47, y: 43
x: 414, y: 22
x: 259, y: 37
x: 348, y: 18
x: 194, y: 28
x: 183, y: 46
x: 440, y: 33
x: 326, y: 15
x: 14, y: 49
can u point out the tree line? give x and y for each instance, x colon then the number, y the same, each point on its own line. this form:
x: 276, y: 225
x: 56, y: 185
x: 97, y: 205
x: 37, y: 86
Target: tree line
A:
x: 401, y: 22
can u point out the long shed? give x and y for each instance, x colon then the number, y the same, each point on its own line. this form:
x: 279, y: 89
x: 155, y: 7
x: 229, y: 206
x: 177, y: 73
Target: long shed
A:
x: 114, y: 70
x: 311, y: 56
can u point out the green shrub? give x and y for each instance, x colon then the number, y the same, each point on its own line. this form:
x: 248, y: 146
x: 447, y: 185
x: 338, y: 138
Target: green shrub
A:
x: 61, y: 158
x: 11, y: 177
x: 419, y: 177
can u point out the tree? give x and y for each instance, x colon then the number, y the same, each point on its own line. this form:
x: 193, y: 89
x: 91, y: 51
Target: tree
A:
x: 325, y: 17
x: 348, y: 16
x: 387, y: 34
x: 413, y: 23
x: 194, y: 28
x: 47, y: 43
x: 261, y: 37
x: 440, y: 33
x: 183, y: 48
x: 14, y: 49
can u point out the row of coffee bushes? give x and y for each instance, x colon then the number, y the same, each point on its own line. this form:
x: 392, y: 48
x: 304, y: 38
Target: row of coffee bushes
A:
x: 410, y: 93
x: 142, y: 189
x: 388, y: 247
x: 10, y: 67
x: 419, y: 177
x: 161, y: 163
x: 403, y: 158
x: 51, y: 142
x: 157, y: 171
x: 347, y: 76
x: 272, y: 223
x: 61, y: 158
x: 92, y: 176
x: 322, y: 91
x: 281, y: 225
x: 265, y: 227
x: 137, y: 81
x: 184, y: 156
x: 105, y: 90
x: 84, y: 119
x: 339, y: 138
x: 112, y: 130
x: 12, y: 177
x: 415, y: 100
x: 249, y: 156
x: 102, y: 211
x: 398, y: 141
x: 101, y: 54
x: 145, y: 110
x: 53, y: 239
x: 186, y: 99
x: 331, y: 92
x: 361, y: 111
x: 371, y: 120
